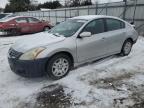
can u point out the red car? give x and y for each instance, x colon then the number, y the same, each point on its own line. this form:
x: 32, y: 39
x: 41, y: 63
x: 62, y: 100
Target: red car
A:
x: 22, y: 25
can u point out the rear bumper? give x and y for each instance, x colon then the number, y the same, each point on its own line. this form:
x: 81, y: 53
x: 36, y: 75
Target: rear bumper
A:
x: 28, y: 68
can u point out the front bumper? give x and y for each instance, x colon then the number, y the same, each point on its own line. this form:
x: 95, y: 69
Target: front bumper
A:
x: 3, y: 32
x: 28, y: 68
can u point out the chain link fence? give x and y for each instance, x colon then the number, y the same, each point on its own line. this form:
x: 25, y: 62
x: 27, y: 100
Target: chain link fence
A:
x: 132, y: 11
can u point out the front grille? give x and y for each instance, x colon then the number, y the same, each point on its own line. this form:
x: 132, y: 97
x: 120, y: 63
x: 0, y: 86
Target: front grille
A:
x: 14, y: 54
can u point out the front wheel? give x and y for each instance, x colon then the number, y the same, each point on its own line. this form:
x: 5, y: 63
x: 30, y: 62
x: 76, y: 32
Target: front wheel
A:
x: 15, y: 32
x: 59, y: 66
x: 127, y: 46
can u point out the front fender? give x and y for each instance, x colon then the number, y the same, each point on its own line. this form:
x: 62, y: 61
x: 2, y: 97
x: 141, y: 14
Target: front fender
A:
x: 50, y: 52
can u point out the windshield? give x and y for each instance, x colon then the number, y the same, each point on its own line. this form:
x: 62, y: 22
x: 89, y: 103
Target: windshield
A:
x: 67, y: 28
x: 3, y: 15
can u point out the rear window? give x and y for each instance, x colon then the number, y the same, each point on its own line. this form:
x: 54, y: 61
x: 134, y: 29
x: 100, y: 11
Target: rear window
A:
x: 3, y: 15
x: 114, y: 24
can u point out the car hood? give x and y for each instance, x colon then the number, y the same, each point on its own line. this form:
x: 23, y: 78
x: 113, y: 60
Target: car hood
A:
x: 36, y: 40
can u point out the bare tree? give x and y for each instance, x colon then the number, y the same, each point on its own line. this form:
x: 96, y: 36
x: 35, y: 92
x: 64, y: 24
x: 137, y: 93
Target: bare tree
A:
x: 76, y: 2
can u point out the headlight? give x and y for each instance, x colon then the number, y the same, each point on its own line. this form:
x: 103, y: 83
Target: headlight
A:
x: 32, y: 54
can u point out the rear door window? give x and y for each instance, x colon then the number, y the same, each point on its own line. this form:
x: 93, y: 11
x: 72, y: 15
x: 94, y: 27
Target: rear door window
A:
x: 114, y: 24
x: 33, y: 20
x: 21, y: 20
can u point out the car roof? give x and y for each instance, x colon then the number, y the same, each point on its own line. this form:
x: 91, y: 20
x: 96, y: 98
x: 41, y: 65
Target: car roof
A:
x: 91, y: 17
x: 14, y: 17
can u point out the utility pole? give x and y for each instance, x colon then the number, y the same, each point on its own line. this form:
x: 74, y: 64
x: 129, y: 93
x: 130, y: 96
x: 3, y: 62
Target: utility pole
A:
x: 134, y: 11
x: 125, y: 8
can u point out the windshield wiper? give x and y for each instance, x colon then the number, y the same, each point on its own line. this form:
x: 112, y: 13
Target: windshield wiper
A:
x: 56, y: 34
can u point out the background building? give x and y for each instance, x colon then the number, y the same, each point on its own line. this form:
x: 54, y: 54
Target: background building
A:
x: 34, y: 2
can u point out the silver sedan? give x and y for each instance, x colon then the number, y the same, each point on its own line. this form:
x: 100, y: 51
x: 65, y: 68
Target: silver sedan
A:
x: 71, y: 43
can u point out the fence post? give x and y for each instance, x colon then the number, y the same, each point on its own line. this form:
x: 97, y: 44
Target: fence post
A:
x: 43, y: 16
x: 70, y: 12
x: 65, y: 14
x: 88, y: 10
x: 49, y: 15
x: 40, y: 15
x: 125, y: 8
x: 77, y: 11
x: 96, y: 11
x: 35, y: 14
x: 106, y: 8
x: 56, y: 15
x: 134, y: 11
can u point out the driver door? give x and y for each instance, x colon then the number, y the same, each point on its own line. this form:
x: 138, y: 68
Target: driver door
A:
x: 35, y: 24
x: 95, y: 45
x: 22, y: 24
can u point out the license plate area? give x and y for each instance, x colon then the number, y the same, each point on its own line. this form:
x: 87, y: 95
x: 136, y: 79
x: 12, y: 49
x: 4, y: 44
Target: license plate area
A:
x: 2, y: 32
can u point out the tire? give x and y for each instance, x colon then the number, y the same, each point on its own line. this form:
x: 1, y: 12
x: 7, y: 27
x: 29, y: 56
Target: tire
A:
x: 127, y: 46
x: 59, y: 66
x: 15, y: 32
x: 46, y: 28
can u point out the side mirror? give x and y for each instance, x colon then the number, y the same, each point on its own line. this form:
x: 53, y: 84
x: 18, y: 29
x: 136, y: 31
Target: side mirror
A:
x: 85, y: 34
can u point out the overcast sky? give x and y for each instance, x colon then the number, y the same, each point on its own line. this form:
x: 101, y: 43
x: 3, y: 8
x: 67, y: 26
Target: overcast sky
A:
x: 3, y: 2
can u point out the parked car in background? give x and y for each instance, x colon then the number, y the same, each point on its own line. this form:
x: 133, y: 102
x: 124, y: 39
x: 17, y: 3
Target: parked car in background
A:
x: 5, y: 15
x: 71, y: 43
x: 22, y: 24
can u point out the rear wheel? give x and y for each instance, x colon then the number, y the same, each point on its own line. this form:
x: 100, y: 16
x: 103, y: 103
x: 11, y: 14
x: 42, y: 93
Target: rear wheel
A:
x: 59, y: 66
x: 46, y: 28
x: 127, y: 46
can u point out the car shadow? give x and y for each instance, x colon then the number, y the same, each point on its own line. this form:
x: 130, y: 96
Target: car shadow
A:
x: 99, y: 61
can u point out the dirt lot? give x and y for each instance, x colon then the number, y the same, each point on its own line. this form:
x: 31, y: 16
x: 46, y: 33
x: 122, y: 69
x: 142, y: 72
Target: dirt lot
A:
x: 113, y: 82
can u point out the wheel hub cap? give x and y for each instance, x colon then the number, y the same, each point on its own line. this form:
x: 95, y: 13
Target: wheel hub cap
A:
x: 127, y: 47
x: 60, y: 67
